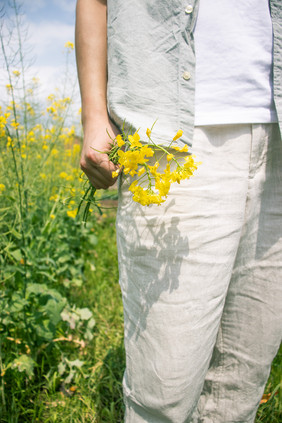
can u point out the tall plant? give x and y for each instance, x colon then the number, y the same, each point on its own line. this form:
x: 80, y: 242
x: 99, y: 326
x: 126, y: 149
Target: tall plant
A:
x: 41, y: 242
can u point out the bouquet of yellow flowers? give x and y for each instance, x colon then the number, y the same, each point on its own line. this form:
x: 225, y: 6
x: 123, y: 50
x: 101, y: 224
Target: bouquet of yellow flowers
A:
x: 149, y: 186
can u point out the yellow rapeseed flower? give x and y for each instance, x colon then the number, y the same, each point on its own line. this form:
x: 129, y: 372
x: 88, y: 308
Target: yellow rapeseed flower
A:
x: 145, y: 197
x: 35, y: 80
x: 51, y: 109
x: 10, y: 142
x: 16, y: 73
x: 54, y: 152
x: 71, y: 130
x: 115, y: 173
x: 141, y: 171
x: 63, y: 175
x: 152, y: 184
x: 15, y: 124
x: 51, y: 97
x: 3, y: 120
x: 119, y: 140
x: 72, y: 213
x: 134, y: 140
x: 153, y: 169
x: 178, y: 134
x: 76, y: 148
x: 2, y: 188
x: 30, y: 110
x: 54, y: 197
x: 69, y: 45
x: 183, y: 149
x: 163, y: 186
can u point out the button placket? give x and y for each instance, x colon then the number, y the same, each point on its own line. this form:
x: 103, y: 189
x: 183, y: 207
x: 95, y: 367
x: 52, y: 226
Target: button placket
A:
x: 186, y: 75
x: 188, y: 9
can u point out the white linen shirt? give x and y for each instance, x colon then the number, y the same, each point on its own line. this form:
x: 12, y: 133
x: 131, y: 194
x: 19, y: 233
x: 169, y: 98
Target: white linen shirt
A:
x: 151, y: 65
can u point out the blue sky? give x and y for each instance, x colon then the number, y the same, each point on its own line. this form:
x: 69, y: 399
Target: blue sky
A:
x: 50, y: 25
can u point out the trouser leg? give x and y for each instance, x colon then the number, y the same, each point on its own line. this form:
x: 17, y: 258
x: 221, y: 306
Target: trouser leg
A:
x: 175, y: 265
x: 250, y: 330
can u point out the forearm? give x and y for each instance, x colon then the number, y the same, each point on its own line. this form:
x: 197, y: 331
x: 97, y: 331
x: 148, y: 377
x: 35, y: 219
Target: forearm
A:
x: 91, y: 56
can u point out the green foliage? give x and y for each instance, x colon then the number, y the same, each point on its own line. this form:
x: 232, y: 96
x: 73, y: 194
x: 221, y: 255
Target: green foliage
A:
x: 42, y: 241
x: 270, y: 411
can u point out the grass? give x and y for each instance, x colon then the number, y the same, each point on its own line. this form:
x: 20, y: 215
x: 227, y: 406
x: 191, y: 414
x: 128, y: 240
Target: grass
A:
x: 98, y: 393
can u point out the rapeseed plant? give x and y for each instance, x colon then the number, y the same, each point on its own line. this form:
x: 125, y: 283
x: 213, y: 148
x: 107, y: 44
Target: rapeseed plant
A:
x: 149, y: 185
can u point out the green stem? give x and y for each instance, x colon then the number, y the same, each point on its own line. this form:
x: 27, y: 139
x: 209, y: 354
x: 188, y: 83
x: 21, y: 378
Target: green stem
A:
x: 148, y: 175
x: 2, y: 378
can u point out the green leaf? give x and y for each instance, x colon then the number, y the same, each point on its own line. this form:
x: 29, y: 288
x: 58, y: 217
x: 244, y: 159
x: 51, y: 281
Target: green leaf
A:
x: 84, y: 313
x: 76, y: 282
x: 16, y: 233
x: 93, y: 240
x: 75, y: 363
x: 48, y: 276
x: 43, y: 290
x: 70, y: 317
x: 61, y: 368
x: 45, y: 331
x: 36, y: 288
x: 70, y: 377
x: 52, y: 309
x: 18, y: 303
x: 63, y: 259
x: 16, y: 254
x: 88, y: 334
x: 91, y: 323
x: 24, y: 363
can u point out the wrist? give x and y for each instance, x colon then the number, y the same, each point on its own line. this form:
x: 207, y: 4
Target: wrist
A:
x: 94, y: 119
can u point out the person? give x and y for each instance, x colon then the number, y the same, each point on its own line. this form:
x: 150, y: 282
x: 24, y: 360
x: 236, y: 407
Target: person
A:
x: 201, y: 274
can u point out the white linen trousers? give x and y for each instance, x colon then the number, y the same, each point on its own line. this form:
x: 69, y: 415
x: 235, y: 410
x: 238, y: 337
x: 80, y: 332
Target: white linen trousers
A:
x: 201, y: 283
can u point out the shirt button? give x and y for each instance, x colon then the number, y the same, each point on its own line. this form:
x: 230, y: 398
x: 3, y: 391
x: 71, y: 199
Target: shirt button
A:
x: 186, y: 75
x: 188, y: 9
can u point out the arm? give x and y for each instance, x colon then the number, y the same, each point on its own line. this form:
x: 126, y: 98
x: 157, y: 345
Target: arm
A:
x: 91, y: 57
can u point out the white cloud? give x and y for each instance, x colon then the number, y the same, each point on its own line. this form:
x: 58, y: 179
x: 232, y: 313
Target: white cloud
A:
x: 46, y: 42
x: 50, y: 77
x: 48, y: 39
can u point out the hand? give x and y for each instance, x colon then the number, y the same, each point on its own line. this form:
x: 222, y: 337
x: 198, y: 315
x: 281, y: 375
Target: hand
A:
x: 94, y: 164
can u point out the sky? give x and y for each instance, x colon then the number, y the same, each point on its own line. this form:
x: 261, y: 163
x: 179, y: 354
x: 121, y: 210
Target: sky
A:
x: 50, y: 25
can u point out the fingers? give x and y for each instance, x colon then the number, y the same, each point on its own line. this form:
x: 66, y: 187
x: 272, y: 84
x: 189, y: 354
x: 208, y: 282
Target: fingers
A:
x: 99, y: 171
x: 99, y: 179
x: 94, y: 161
